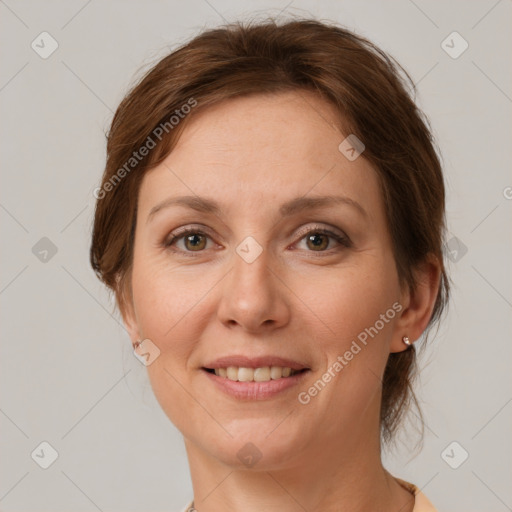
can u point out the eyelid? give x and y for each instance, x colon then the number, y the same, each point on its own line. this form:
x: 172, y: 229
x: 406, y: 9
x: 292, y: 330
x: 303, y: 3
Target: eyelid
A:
x: 320, y: 228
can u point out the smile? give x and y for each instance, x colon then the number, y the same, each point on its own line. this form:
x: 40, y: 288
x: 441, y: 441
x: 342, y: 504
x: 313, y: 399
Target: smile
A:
x: 263, y: 374
x: 242, y: 383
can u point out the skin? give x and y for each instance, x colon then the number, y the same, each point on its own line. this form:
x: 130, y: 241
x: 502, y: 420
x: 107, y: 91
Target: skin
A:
x: 296, y: 300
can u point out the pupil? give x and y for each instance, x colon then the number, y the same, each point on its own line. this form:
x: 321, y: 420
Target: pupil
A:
x: 194, y: 240
x: 318, y: 238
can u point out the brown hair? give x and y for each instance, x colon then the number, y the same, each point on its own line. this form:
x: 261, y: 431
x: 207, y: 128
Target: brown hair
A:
x: 366, y: 87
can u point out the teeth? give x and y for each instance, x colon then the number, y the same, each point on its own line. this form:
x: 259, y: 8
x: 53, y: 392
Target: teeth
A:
x: 232, y: 373
x: 245, y: 374
x: 276, y: 372
x: 263, y: 374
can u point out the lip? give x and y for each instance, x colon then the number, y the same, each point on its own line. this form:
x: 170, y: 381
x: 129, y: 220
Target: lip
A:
x: 254, y: 390
x: 255, y: 362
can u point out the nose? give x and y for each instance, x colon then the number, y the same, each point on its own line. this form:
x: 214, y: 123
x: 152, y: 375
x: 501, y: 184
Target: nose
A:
x: 254, y: 296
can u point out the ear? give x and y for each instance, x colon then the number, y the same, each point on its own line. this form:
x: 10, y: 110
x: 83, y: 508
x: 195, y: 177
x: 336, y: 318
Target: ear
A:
x: 418, y: 304
x: 124, y: 299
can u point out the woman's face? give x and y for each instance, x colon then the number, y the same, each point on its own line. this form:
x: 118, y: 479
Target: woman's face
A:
x: 250, y: 282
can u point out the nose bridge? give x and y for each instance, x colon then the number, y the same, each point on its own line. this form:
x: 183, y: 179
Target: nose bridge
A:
x: 251, y: 279
x: 252, y: 296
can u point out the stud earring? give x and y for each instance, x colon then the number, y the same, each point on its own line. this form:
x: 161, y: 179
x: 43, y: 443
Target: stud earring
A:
x: 406, y: 340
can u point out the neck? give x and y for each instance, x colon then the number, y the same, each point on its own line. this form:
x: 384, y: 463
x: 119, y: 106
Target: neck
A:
x: 333, y: 472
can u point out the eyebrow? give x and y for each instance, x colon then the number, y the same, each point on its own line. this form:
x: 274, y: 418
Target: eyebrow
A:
x: 288, y: 209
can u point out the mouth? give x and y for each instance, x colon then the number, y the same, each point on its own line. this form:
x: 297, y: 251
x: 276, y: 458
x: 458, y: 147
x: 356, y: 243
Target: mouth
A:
x: 261, y: 374
x: 260, y: 378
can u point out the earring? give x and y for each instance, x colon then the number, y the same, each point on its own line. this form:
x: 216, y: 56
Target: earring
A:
x: 137, y: 344
x: 406, y: 340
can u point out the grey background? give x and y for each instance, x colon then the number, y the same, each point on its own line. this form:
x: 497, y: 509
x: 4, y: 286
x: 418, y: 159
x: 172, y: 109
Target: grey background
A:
x: 68, y: 376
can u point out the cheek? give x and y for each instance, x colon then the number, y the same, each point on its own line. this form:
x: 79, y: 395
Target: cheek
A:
x: 358, y: 308
x: 168, y: 306
x: 351, y: 301
x: 358, y: 311
x: 167, y: 299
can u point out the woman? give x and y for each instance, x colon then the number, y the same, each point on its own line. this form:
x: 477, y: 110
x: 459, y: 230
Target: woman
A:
x: 271, y: 221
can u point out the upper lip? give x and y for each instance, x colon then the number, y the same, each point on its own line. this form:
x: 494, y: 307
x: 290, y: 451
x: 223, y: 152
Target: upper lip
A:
x: 255, y: 362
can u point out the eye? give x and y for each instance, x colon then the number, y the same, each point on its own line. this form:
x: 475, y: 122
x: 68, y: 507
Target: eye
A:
x: 317, y: 239
x: 194, y: 240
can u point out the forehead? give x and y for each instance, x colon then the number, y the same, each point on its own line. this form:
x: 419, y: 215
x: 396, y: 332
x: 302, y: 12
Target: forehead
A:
x: 279, y: 127
x: 262, y: 150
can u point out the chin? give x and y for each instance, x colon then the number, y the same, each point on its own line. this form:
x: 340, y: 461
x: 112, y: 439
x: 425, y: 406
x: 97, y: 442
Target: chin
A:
x: 256, y: 444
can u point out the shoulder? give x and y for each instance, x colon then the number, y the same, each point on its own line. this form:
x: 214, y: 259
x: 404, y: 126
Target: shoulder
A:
x: 421, y: 502
x: 189, y: 507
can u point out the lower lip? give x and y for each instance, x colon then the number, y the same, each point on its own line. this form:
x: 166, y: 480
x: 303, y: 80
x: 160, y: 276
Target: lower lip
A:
x: 255, y: 390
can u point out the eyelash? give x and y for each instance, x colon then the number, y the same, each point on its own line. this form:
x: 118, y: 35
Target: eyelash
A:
x: 168, y: 243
